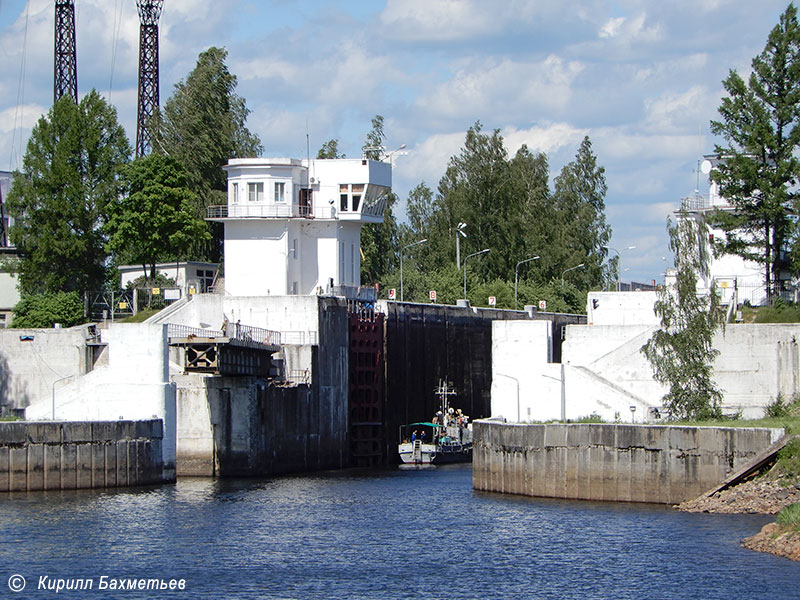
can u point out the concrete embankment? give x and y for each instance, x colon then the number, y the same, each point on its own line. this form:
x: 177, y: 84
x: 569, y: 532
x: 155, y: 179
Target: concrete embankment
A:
x: 630, y: 463
x: 72, y: 455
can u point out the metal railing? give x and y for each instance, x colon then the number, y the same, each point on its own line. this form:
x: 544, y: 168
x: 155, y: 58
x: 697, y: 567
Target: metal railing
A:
x: 356, y: 292
x: 236, y: 333
x: 300, y: 338
x: 238, y: 211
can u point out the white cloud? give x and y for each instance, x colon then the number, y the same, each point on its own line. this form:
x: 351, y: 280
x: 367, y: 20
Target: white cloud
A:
x: 611, y: 27
x: 549, y: 139
x: 416, y: 20
x: 505, y: 87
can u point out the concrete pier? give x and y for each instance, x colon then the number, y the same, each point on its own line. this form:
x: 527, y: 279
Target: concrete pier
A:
x: 73, y: 455
x: 629, y: 463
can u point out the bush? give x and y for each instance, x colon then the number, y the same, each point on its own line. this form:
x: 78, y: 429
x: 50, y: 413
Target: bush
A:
x: 790, y: 516
x: 37, y: 311
x: 789, y: 459
x: 780, y: 408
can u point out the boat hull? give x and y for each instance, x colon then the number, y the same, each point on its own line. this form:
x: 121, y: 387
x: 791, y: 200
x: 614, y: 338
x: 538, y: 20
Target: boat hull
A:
x: 427, y: 454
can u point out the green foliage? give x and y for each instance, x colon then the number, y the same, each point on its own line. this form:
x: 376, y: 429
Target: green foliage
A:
x: 373, y: 145
x: 580, y: 191
x: 203, y: 126
x: 71, y: 172
x: 155, y: 219
x: 759, y: 124
x: 789, y: 516
x: 680, y: 351
x: 592, y: 418
x: 507, y: 206
x: 330, y: 149
x: 144, y: 282
x: 778, y: 312
x: 788, y: 461
x: 44, y: 310
x: 780, y: 407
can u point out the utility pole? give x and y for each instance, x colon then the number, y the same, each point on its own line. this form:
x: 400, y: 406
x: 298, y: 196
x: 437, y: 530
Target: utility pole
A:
x: 149, y: 13
x: 65, y: 69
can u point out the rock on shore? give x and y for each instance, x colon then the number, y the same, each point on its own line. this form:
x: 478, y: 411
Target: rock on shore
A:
x: 776, y: 540
x: 759, y: 496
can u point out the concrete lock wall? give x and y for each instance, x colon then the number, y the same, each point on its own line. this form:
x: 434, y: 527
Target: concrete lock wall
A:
x: 65, y: 456
x: 606, y: 373
x: 33, y: 361
x: 633, y: 463
x: 244, y: 426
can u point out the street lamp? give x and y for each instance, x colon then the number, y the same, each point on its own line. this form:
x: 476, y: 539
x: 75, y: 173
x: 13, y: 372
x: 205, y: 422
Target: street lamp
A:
x: 620, y: 258
x: 401, y: 263
x: 465, y: 268
x: 517, y: 382
x: 389, y: 155
x: 568, y: 270
x: 459, y: 234
x: 516, y: 276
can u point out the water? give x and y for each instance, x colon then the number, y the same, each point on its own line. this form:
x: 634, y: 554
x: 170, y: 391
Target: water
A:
x: 385, y: 534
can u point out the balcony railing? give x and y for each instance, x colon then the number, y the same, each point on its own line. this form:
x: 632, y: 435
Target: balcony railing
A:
x: 275, y: 211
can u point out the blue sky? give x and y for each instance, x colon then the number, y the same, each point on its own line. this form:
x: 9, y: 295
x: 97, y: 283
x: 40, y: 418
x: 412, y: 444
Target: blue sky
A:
x: 642, y: 79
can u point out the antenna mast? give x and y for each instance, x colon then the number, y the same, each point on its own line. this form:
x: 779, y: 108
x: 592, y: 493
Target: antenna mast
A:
x: 149, y: 13
x: 65, y: 68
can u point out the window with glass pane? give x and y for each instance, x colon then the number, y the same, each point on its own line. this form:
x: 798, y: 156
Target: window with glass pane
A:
x: 255, y: 192
x: 280, y: 190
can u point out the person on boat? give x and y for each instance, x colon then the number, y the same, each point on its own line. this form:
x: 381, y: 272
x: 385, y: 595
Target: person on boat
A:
x: 414, y: 436
x: 422, y: 436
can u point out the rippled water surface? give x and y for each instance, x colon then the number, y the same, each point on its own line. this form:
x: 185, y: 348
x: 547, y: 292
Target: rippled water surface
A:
x: 379, y: 534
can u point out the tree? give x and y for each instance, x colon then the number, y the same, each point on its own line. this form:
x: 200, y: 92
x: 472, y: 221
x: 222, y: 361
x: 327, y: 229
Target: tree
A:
x: 36, y: 311
x: 155, y: 219
x: 759, y: 168
x: 330, y: 149
x: 680, y: 352
x: 373, y: 146
x: 70, y: 174
x: 203, y: 126
x: 379, y: 245
x: 579, y: 196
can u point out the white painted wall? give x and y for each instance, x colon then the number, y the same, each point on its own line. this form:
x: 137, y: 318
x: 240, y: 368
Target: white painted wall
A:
x: 133, y: 385
x: 621, y: 308
x: 606, y: 373
x: 275, y: 248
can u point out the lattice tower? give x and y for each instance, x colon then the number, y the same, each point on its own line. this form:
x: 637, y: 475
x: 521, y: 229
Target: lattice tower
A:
x: 65, y: 68
x: 149, y: 13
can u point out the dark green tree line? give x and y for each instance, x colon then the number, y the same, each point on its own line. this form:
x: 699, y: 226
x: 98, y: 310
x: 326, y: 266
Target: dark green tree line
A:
x: 508, y: 207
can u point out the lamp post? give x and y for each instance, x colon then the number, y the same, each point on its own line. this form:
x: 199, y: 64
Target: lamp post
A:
x: 465, y: 267
x: 620, y: 258
x: 459, y: 234
x: 568, y: 270
x: 389, y: 155
x: 404, y: 248
x: 517, y: 382
x: 516, y: 276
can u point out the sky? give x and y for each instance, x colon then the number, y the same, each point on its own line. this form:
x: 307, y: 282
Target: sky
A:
x: 641, y: 79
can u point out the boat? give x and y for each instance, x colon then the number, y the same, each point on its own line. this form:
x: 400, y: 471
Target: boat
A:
x: 446, y: 438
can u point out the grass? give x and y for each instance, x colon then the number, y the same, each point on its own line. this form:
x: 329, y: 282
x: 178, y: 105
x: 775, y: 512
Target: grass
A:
x: 141, y: 316
x: 780, y: 312
x: 789, y: 517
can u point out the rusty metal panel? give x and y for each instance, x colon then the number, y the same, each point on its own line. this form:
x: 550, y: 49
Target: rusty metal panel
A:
x: 366, y: 397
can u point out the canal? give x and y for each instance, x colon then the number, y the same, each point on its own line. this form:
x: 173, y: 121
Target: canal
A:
x: 374, y: 534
